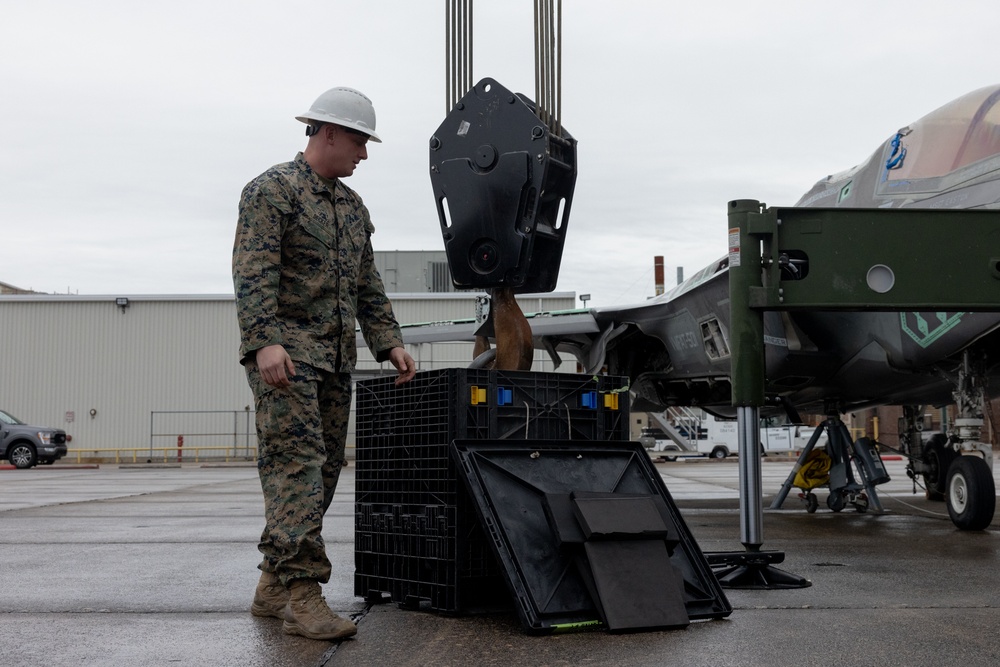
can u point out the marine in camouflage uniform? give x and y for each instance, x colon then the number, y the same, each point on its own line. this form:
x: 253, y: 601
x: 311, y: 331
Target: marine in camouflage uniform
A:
x: 304, y: 273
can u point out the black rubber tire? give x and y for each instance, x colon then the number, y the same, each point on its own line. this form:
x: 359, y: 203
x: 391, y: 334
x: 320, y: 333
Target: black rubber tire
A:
x: 22, y: 455
x: 971, y: 494
x: 835, y: 501
x: 719, y: 453
x: 812, y: 502
x: 937, y: 458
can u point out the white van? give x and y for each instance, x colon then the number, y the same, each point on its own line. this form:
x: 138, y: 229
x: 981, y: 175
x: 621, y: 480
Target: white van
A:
x: 694, y: 433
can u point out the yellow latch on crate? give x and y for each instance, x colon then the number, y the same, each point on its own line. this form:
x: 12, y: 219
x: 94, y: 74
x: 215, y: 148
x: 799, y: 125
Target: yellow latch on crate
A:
x: 478, y: 395
x: 611, y: 401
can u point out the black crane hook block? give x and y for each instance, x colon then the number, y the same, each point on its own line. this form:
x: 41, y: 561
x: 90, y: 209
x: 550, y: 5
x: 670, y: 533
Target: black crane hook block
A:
x: 503, y: 184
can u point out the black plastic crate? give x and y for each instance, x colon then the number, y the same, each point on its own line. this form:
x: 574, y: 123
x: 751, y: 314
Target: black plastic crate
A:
x: 435, y: 556
x: 403, y: 433
x: 417, y: 535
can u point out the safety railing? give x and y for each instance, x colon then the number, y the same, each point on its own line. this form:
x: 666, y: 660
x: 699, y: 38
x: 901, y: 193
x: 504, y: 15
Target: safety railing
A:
x: 168, y: 454
x: 161, y: 455
x: 180, y: 431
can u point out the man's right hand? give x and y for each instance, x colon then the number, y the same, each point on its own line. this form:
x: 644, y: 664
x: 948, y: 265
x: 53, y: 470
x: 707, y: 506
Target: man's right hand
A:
x: 275, y: 365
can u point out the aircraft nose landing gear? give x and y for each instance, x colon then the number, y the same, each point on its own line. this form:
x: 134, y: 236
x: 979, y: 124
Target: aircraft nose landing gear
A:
x: 970, y: 491
x: 956, y: 466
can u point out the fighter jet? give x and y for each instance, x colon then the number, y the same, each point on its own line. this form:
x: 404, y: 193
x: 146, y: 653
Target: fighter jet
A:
x: 675, y: 347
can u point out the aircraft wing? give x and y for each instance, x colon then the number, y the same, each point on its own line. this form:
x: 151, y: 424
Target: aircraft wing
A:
x: 572, y: 331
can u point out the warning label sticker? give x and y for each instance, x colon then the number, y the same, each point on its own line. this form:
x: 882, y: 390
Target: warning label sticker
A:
x: 734, y: 246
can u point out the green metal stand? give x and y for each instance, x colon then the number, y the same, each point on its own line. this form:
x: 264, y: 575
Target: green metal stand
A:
x: 854, y: 261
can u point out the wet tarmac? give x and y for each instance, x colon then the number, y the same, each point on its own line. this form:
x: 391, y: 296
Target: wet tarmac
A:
x: 143, y: 565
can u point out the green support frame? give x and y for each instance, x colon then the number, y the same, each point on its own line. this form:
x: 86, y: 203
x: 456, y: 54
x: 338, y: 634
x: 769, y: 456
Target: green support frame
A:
x: 852, y: 259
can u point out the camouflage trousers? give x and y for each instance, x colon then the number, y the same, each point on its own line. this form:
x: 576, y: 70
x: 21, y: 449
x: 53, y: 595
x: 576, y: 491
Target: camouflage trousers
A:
x: 301, y: 434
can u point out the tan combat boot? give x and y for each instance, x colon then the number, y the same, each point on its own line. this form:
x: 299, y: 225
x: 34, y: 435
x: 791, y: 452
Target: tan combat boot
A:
x: 270, y: 597
x: 307, y: 614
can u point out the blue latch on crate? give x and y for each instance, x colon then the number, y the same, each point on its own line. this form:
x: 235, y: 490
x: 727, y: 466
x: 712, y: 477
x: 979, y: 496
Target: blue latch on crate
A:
x: 589, y: 400
x: 504, y: 396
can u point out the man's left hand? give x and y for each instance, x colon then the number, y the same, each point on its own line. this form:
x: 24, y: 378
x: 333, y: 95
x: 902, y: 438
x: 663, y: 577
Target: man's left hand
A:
x: 404, y: 363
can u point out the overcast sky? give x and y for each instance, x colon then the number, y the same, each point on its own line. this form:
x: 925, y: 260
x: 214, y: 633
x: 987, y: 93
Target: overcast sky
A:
x: 128, y: 129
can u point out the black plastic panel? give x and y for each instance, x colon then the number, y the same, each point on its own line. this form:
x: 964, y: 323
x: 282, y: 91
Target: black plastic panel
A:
x: 512, y: 483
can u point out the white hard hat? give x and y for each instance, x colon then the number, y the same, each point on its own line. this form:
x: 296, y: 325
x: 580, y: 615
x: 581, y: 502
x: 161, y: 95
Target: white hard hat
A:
x: 346, y: 107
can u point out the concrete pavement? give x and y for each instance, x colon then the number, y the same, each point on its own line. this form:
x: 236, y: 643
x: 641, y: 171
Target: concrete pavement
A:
x: 141, y: 565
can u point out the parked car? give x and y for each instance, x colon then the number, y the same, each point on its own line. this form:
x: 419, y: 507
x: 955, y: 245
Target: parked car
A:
x: 25, y: 445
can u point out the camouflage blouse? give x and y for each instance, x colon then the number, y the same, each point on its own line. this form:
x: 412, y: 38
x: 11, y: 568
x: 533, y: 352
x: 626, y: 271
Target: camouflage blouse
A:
x: 304, y: 270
